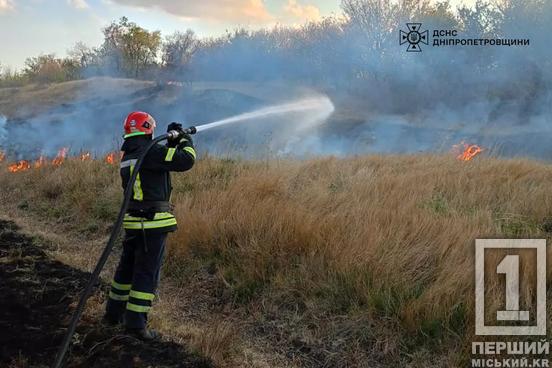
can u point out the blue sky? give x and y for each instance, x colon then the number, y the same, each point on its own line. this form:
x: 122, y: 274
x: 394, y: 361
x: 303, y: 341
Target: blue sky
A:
x: 32, y: 27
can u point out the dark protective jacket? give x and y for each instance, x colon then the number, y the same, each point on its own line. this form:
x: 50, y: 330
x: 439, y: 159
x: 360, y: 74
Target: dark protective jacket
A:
x: 148, y: 208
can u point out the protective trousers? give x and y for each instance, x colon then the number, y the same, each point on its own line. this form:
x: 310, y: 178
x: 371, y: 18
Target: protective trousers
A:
x: 136, y: 278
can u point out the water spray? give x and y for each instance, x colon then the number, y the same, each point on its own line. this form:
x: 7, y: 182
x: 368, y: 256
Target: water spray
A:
x: 320, y: 105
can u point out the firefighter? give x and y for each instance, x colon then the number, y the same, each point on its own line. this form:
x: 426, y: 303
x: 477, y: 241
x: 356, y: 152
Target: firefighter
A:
x: 147, y: 221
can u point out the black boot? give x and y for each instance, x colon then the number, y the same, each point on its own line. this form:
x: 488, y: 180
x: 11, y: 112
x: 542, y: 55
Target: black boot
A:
x: 144, y: 334
x: 111, y: 321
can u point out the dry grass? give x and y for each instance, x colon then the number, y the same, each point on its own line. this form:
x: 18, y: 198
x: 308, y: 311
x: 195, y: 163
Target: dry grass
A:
x: 365, y: 260
x: 37, y: 98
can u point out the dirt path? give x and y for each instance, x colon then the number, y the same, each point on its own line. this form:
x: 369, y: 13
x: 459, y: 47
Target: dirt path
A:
x: 37, y: 297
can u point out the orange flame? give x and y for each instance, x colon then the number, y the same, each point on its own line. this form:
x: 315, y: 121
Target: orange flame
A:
x: 40, y: 162
x: 60, y: 158
x: 85, y: 156
x: 19, y: 166
x: 110, y: 158
x: 466, y: 152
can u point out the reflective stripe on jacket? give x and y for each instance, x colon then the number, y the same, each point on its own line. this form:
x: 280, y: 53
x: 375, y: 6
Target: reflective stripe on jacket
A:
x: 153, y: 182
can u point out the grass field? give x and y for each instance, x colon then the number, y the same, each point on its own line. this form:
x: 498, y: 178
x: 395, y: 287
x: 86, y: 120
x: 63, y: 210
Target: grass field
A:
x: 359, y: 262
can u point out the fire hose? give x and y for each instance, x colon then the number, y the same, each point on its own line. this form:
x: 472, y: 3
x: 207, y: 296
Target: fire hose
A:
x: 62, y: 351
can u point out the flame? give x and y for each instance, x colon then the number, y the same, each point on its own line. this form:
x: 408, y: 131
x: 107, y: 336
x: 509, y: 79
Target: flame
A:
x: 42, y: 161
x: 19, y: 166
x: 85, y: 156
x: 466, y: 152
x: 110, y: 158
x: 60, y: 158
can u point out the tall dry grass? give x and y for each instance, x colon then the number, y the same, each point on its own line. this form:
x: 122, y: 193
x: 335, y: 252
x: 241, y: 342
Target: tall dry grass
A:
x: 377, y: 252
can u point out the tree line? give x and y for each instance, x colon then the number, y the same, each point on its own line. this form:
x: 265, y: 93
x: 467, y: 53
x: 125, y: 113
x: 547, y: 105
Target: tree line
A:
x: 128, y: 50
x: 358, y: 51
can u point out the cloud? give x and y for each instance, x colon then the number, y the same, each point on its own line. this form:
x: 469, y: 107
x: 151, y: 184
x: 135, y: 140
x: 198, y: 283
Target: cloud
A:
x: 301, y: 13
x: 77, y: 4
x: 240, y: 11
x: 6, y: 6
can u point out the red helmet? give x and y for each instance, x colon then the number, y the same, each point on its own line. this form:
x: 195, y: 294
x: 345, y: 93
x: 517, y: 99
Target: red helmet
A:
x: 139, y: 123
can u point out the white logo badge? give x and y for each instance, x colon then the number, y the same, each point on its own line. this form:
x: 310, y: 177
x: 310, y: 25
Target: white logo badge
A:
x: 510, y: 317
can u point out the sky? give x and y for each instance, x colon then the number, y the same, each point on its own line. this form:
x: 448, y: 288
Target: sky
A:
x: 33, y: 27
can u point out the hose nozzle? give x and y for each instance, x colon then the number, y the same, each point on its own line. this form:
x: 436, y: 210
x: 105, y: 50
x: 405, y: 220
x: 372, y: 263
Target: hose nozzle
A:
x: 175, y: 134
x: 190, y: 130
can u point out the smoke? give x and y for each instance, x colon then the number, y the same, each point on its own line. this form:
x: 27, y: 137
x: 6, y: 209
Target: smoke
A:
x: 389, y: 100
x: 3, y: 131
x: 92, y: 121
x: 386, y: 100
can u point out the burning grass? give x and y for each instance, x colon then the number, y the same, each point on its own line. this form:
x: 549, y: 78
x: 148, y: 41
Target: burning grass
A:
x: 366, y: 259
x: 465, y: 151
x: 58, y: 160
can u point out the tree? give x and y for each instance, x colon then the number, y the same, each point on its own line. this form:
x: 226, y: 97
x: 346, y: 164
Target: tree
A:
x: 49, y: 69
x: 128, y: 48
x: 10, y: 77
x: 83, y: 55
x: 178, y: 50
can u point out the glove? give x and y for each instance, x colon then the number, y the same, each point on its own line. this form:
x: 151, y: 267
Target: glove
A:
x: 174, y: 126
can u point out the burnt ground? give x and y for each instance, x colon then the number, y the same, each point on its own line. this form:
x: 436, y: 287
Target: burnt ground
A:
x: 37, y: 297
